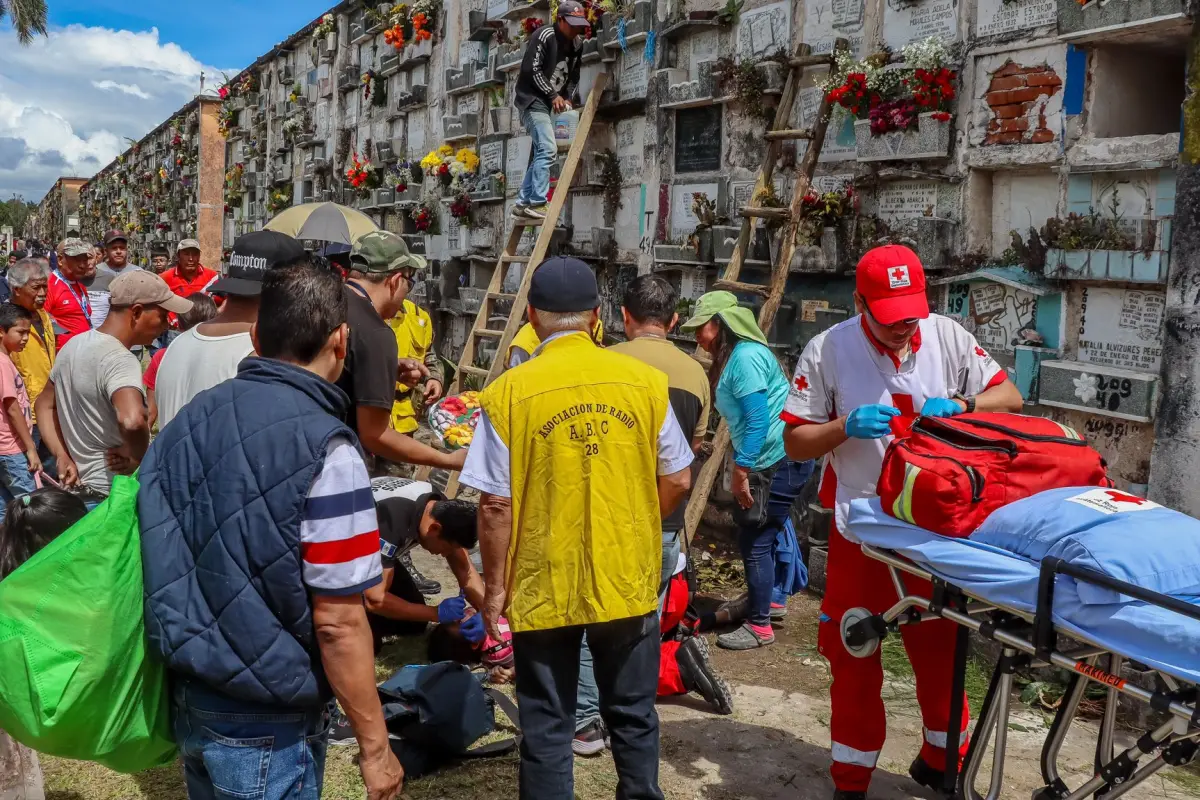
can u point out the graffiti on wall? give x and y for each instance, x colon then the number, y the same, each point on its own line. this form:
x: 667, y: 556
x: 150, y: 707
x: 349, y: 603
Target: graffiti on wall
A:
x: 993, y: 312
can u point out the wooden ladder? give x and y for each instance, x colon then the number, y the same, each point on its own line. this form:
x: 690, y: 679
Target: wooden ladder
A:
x: 772, y: 292
x: 520, y: 300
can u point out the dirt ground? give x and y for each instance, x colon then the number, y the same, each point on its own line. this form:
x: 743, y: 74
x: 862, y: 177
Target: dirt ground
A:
x: 774, y: 746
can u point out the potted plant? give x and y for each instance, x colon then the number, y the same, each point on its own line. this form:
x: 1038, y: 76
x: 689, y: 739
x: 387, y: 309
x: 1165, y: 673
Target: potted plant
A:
x: 901, y: 112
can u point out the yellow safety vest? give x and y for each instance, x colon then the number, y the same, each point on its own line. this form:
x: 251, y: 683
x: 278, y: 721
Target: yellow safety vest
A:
x: 414, y: 336
x: 527, y: 339
x: 581, y: 425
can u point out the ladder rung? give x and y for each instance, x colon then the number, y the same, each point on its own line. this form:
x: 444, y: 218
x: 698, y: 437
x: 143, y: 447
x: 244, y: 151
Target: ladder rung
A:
x: 739, y: 286
x: 793, y: 133
x: 501, y: 296
x: 483, y: 373
x: 527, y: 222
x: 812, y: 61
x: 487, y: 332
x: 507, y: 259
x: 766, y: 213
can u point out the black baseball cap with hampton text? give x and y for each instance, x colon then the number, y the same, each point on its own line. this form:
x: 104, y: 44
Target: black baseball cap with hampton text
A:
x: 253, y: 254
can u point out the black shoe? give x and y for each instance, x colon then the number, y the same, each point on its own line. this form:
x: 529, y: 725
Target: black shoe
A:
x: 695, y: 667
x: 839, y: 794
x: 927, y: 776
x: 424, y: 585
x: 340, y: 733
x: 589, y: 741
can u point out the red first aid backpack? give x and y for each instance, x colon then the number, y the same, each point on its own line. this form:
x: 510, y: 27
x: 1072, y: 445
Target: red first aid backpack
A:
x: 949, y: 473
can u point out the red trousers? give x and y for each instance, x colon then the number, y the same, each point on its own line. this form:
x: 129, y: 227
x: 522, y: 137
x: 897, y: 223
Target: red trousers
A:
x: 670, y: 682
x: 859, y: 723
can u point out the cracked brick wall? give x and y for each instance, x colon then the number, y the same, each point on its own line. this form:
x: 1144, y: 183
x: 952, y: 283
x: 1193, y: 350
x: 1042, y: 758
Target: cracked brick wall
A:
x: 1017, y: 97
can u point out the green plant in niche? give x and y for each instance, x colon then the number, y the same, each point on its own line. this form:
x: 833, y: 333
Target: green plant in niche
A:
x: 746, y: 84
x: 610, y: 179
x: 732, y: 12
x: 767, y: 198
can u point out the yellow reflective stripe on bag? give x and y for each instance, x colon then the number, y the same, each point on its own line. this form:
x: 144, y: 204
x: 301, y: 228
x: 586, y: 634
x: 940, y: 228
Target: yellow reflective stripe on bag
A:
x: 902, y: 508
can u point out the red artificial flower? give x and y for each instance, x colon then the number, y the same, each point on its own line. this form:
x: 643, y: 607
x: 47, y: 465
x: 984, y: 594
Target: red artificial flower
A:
x: 422, y: 34
x: 395, y: 37
x: 223, y: 92
x: 941, y: 116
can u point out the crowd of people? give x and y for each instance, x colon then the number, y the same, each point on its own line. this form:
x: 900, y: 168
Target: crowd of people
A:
x: 273, y: 575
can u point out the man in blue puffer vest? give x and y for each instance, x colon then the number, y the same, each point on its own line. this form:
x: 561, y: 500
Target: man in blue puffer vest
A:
x: 259, y: 538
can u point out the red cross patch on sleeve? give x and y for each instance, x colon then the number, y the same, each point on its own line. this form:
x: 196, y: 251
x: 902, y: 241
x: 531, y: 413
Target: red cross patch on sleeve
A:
x: 801, y: 384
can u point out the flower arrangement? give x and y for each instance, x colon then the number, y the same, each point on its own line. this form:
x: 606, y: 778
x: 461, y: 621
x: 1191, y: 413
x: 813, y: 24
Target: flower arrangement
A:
x: 362, y: 175
x: 424, y: 217
x: 294, y: 95
x: 460, y: 209
x: 367, y: 79
x: 163, y: 174
x: 291, y: 126
x: 225, y: 121
x: 424, y: 18
x: 247, y: 84
x: 326, y: 26
x: 279, y: 199
x: 394, y: 36
x: 233, y: 184
x: 528, y: 26
x: 420, y: 24
x: 893, y: 97
x: 823, y: 210
x: 399, y: 175
x: 223, y: 93
x: 162, y: 226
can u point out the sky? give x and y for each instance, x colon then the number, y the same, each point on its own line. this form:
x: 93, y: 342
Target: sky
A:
x: 115, y: 69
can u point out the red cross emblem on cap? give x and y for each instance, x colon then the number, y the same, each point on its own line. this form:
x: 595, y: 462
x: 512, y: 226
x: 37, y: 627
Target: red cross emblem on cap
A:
x: 898, y: 277
x: 801, y: 383
x: 1121, y: 497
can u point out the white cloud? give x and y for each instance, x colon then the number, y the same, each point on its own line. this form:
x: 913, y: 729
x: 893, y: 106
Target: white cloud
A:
x: 80, y: 92
x: 127, y: 88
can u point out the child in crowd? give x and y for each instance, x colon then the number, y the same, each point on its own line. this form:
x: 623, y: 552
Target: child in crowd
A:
x: 34, y: 520
x: 203, y: 309
x: 19, y: 461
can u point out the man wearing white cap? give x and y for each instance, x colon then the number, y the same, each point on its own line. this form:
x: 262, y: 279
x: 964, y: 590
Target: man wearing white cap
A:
x: 92, y: 412
x: 189, y: 275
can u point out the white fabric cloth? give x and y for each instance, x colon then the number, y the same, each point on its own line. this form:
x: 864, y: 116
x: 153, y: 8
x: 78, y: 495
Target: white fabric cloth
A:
x: 488, y: 466
x: 195, y: 362
x: 88, y: 371
x: 840, y: 370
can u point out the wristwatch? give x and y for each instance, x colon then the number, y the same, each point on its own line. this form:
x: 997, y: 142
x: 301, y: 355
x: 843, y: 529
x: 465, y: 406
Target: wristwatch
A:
x: 969, y: 401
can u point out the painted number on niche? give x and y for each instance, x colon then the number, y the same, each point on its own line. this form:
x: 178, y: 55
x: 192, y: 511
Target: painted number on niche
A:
x: 1112, y: 391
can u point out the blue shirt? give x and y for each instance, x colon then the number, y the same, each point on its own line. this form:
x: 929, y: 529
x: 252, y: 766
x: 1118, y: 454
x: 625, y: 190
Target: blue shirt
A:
x: 752, y: 368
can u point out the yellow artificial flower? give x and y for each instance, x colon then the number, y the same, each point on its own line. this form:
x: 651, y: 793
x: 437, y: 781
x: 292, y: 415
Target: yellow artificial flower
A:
x: 445, y: 151
x: 431, y: 161
x: 468, y: 159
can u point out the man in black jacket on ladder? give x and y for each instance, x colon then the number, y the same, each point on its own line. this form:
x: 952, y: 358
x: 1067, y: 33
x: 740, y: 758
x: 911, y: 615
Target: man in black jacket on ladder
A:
x: 536, y: 99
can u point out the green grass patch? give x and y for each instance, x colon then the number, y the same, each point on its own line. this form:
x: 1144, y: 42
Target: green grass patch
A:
x: 897, y: 666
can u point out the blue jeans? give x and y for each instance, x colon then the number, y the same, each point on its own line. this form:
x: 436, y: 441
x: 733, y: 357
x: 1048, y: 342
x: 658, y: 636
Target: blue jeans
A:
x: 587, y: 704
x: 536, y: 184
x: 15, y: 480
x: 547, y: 663
x: 49, y: 465
x: 758, y: 544
x: 232, y: 749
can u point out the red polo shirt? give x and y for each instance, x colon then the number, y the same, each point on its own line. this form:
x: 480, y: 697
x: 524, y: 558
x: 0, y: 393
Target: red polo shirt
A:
x: 67, y: 302
x: 183, y: 287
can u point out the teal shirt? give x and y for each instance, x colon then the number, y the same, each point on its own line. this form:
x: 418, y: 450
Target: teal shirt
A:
x: 752, y: 368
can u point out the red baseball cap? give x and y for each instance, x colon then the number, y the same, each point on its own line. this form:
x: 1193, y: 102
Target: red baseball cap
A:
x: 892, y: 281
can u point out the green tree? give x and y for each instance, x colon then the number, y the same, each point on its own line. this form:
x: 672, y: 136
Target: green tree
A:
x: 28, y: 17
x: 15, y: 212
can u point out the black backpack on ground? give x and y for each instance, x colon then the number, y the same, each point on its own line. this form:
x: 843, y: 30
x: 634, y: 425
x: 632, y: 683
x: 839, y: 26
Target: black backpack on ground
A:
x: 435, y: 713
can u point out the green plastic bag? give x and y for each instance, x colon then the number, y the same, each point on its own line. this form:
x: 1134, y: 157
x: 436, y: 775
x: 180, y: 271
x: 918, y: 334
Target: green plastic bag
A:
x: 75, y: 678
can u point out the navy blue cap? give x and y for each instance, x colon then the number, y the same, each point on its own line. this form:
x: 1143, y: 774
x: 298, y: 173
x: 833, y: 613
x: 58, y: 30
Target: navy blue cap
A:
x: 562, y: 284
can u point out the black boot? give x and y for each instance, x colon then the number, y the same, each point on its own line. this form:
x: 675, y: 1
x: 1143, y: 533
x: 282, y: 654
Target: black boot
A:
x: 424, y: 585
x: 927, y: 776
x: 839, y: 794
x: 698, y: 675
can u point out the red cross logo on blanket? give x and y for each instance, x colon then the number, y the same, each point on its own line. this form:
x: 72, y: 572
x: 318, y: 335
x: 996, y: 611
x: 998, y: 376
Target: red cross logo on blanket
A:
x: 801, y: 384
x: 1121, y: 497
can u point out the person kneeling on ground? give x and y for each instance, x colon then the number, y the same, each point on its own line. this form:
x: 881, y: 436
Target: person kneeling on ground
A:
x: 445, y: 528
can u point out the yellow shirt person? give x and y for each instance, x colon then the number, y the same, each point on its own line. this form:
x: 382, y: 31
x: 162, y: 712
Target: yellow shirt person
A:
x: 526, y: 341
x: 414, y: 339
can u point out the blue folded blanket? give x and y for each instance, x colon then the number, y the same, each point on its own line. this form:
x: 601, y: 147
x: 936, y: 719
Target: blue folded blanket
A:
x: 1115, y: 533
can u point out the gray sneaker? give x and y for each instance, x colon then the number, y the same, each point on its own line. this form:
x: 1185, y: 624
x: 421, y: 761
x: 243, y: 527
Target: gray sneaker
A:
x: 744, y: 638
x: 518, y: 210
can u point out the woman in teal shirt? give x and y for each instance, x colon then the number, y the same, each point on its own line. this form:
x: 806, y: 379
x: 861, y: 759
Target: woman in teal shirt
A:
x: 749, y: 390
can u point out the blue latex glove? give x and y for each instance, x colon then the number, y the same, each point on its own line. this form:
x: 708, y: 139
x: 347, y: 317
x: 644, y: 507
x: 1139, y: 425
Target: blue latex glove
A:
x: 870, y: 422
x: 452, y: 609
x: 940, y: 407
x: 472, y: 629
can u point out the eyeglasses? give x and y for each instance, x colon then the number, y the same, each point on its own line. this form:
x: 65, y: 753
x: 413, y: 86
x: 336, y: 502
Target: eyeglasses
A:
x: 904, y: 322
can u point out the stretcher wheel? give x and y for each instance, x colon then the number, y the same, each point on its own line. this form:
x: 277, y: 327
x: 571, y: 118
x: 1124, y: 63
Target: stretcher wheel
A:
x: 865, y: 648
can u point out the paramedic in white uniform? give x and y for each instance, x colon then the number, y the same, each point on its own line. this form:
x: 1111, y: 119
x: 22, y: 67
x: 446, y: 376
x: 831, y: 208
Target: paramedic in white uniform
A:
x: 893, y: 358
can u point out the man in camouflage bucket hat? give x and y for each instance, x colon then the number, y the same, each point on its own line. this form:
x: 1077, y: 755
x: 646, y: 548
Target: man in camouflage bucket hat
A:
x: 382, y: 272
